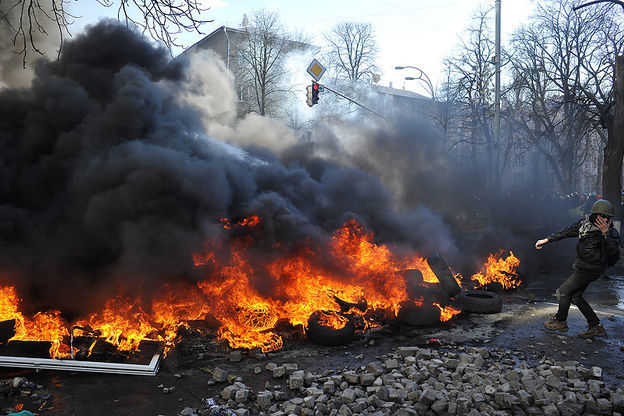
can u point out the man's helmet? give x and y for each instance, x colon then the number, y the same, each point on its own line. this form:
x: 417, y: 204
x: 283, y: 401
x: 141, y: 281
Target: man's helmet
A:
x: 603, y: 207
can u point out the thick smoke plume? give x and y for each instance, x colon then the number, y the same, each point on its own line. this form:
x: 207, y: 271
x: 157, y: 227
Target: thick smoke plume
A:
x: 107, y: 177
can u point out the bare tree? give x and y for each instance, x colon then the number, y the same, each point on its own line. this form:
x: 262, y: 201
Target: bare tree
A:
x: 28, y: 22
x: 472, y: 83
x: 262, y: 57
x: 551, y: 76
x: 447, y: 102
x: 353, y: 51
x: 605, y: 42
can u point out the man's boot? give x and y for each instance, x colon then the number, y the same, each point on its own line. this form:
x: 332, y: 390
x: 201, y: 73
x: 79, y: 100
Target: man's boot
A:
x: 594, y: 331
x: 556, y: 325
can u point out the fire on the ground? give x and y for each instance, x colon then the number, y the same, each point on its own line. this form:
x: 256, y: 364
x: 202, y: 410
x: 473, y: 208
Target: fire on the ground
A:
x: 362, y: 272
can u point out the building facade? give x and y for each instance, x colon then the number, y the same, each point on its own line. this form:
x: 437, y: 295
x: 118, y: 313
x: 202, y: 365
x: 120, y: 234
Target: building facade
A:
x: 235, y: 46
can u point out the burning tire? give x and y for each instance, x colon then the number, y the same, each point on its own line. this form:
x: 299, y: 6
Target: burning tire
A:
x: 444, y: 275
x: 412, y: 277
x: 421, y: 315
x: 430, y: 292
x: 330, y: 328
x: 480, y: 301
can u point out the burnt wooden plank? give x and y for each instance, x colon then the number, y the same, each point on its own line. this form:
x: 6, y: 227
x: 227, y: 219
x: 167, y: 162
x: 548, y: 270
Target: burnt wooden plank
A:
x: 441, y: 269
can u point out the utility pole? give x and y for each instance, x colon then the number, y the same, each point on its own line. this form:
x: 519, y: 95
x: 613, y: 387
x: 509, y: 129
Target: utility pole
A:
x: 498, y: 72
x: 618, y: 128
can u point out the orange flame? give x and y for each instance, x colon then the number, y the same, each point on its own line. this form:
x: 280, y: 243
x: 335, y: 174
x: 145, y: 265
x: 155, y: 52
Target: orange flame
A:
x: 252, y: 221
x: 369, y: 271
x: 122, y: 322
x: 332, y: 320
x: 419, y: 302
x: 446, y: 312
x: 203, y: 259
x: 364, y: 275
x: 458, y: 278
x: 43, y: 326
x: 497, y: 269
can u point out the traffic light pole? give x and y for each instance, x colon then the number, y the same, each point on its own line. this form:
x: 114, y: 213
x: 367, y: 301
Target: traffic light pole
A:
x: 351, y: 100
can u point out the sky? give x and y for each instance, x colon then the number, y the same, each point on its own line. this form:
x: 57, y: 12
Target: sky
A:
x: 419, y: 33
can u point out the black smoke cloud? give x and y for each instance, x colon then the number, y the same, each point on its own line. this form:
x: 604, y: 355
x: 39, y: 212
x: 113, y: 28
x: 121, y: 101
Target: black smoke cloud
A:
x: 442, y: 201
x: 107, y: 180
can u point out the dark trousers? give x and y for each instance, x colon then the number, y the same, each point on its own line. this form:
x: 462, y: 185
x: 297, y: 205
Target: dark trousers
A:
x: 571, y: 291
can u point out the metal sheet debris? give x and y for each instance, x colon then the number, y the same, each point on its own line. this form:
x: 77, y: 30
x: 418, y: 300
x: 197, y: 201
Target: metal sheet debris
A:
x: 150, y: 369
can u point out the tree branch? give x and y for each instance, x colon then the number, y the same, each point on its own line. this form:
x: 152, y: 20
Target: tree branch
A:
x: 617, y: 2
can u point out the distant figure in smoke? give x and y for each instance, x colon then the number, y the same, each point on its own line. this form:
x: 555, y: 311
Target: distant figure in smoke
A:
x: 596, y: 250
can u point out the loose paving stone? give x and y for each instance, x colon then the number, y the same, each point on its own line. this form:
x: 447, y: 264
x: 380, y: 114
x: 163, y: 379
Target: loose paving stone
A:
x: 295, y: 381
x: 241, y: 395
x: 424, y: 381
x: 351, y: 376
x: 279, y: 372
x: 596, y: 372
x: 264, y: 399
x: 367, y: 379
x: 348, y: 395
x: 219, y: 375
x: 391, y: 364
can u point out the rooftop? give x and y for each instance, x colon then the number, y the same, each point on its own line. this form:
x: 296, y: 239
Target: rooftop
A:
x: 399, y: 92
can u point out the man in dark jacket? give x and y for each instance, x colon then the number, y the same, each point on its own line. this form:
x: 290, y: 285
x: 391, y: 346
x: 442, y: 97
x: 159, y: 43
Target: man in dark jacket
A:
x: 596, y: 250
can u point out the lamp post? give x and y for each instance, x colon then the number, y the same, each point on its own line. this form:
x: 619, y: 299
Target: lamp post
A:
x: 421, y: 77
x: 497, y: 80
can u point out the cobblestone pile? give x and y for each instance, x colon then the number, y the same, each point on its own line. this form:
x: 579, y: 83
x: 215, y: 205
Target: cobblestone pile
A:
x: 423, y: 381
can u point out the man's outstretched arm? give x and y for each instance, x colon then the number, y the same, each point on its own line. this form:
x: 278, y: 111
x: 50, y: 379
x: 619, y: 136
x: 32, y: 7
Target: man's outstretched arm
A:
x: 568, y: 232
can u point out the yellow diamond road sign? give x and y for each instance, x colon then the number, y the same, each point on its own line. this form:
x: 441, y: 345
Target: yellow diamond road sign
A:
x: 316, y: 69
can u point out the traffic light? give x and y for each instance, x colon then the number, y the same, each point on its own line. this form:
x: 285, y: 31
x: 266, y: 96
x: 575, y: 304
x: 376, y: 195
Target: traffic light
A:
x: 312, y: 94
x: 309, y: 101
x: 315, y: 92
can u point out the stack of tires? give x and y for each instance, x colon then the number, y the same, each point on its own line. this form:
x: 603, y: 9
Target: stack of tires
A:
x: 423, y: 314
x: 419, y: 311
x: 471, y: 301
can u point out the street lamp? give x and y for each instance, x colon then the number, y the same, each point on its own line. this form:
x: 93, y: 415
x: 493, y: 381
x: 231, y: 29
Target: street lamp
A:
x: 421, y: 77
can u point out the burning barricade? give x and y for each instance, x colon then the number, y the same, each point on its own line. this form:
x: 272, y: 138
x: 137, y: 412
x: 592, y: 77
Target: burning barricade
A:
x: 499, y: 272
x: 331, y: 294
